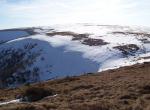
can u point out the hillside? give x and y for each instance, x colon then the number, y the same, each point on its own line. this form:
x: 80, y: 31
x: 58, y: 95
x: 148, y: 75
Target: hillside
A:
x: 29, y: 55
x: 126, y: 88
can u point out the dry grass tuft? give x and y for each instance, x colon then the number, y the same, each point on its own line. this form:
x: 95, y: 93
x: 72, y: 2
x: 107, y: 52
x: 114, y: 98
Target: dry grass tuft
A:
x: 32, y: 93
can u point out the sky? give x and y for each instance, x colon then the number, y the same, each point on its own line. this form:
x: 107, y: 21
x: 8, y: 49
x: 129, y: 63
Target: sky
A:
x: 27, y: 13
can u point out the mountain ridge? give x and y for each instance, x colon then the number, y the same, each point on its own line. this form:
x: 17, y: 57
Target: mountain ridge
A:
x: 42, y: 53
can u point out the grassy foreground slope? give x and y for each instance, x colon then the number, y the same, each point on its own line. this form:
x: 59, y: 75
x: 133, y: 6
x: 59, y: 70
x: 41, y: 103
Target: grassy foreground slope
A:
x: 126, y: 88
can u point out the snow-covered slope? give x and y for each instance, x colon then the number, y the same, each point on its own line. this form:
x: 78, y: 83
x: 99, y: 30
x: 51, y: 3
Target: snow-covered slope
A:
x: 42, y: 53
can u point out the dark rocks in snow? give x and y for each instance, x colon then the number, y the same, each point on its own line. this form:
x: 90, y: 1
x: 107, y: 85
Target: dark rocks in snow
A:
x: 80, y: 37
x: 94, y: 42
x: 75, y: 36
x: 128, y: 49
x: 13, y: 64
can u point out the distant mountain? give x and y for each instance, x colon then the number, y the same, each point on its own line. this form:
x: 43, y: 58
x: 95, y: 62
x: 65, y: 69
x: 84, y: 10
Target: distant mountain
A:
x: 40, y: 53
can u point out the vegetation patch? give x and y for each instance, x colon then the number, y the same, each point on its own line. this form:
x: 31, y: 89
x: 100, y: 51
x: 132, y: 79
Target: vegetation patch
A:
x: 22, y: 107
x: 94, y: 42
x: 126, y: 88
x: 129, y: 49
x: 128, y: 96
x: 145, y: 89
x: 32, y: 94
x: 68, y: 79
x: 76, y: 36
x: 80, y: 37
x: 13, y: 60
x: 82, y: 87
x: 92, y: 106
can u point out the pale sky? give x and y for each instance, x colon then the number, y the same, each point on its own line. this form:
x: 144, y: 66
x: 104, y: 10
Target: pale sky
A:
x: 26, y: 13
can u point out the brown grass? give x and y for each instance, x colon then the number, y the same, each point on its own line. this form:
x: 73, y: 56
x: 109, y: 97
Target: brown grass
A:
x: 126, y: 88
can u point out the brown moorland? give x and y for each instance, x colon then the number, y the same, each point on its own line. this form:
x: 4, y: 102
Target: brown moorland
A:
x: 126, y: 88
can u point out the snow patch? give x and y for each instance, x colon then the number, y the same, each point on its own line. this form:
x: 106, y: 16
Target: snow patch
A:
x: 10, y: 102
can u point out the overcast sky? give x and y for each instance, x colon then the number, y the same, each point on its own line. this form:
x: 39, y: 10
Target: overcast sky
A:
x: 20, y: 13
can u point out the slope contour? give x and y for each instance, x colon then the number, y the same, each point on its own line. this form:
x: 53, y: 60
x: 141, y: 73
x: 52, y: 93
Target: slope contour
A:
x: 126, y: 88
x: 30, y: 55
